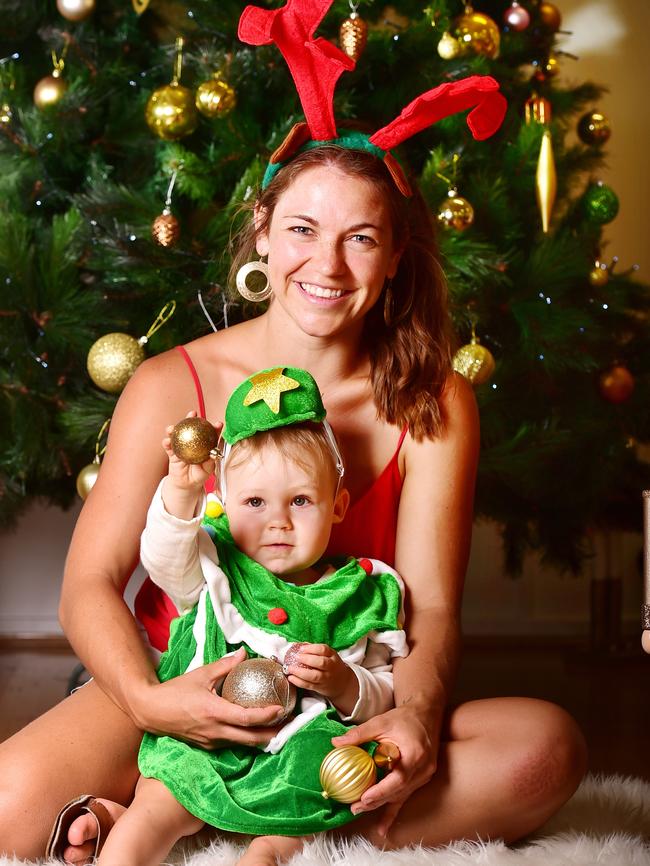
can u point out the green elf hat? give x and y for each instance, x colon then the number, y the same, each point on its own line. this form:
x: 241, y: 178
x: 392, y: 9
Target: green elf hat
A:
x: 273, y: 398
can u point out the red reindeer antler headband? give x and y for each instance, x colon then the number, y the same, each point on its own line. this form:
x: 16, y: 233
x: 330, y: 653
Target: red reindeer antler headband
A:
x: 316, y: 65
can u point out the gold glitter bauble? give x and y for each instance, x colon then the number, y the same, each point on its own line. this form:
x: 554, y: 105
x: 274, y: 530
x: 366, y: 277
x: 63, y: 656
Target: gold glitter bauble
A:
x: 478, y: 33
x: 193, y: 439
x: 6, y: 114
x: 550, y: 16
x: 86, y: 479
x: 616, y: 384
x: 345, y: 773
x: 598, y: 275
x: 448, y: 47
x: 75, y: 10
x: 259, y: 683
x: 594, y: 128
x: 170, y: 112
x: 49, y: 90
x: 215, y: 97
x: 112, y: 360
x: 474, y: 362
x: 166, y: 229
x: 353, y: 35
x: 455, y: 212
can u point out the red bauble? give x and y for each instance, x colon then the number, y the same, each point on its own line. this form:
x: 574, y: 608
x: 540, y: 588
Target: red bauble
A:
x: 616, y: 384
x: 516, y: 17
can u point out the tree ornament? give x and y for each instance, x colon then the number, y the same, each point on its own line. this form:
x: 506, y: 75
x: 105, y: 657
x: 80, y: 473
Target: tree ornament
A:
x: 291, y: 655
x: 6, y: 114
x: 594, y: 128
x: 474, y: 361
x: 455, y: 212
x: 538, y: 110
x: 550, y: 16
x: 600, y: 203
x: 616, y: 384
x: 345, y: 773
x: 170, y: 111
x: 259, y: 682
x: 516, y: 16
x: 115, y: 357
x: 139, y: 6
x: 353, y: 33
x: 194, y: 440
x: 75, y: 10
x: 599, y: 275
x: 166, y: 229
x: 215, y: 97
x: 89, y: 474
x: 51, y: 89
x: 449, y: 46
x: 477, y: 33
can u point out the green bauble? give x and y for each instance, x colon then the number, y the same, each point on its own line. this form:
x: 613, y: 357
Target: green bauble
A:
x: 600, y: 203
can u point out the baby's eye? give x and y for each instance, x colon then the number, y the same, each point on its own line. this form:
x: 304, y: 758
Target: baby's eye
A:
x: 300, y: 500
x: 255, y: 502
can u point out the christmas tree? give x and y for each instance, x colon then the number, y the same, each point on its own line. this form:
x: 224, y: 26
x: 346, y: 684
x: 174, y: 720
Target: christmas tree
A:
x: 131, y: 133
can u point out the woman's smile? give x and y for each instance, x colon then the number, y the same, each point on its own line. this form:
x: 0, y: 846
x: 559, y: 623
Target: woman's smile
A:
x: 320, y: 292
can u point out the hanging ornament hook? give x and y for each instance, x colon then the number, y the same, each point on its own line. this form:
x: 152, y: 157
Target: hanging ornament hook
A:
x: 163, y: 316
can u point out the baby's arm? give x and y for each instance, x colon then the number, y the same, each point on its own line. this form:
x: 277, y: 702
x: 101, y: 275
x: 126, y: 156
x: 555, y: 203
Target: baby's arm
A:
x: 183, y: 485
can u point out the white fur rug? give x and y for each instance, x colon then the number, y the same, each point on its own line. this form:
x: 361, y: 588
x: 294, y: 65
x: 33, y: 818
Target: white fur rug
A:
x: 606, y: 823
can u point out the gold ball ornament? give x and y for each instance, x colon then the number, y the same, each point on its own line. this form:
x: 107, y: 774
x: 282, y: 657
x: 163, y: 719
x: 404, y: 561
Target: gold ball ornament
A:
x: 616, y: 384
x: 259, y: 683
x: 478, y: 33
x: 455, y: 212
x: 6, y: 114
x: 215, y: 97
x: 550, y: 16
x: 75, y: 10
x: 49, y: 90
x: 193, y: 440
x: 599, y: 275
x: 449, y: 46
x: 345, y: 773
x: 594, y: 128
x: 353, y: 35
x: 87, y: 478
x: 166, y: 229
x: 170, y: 112
x: 113, y: 359
x: 474, y: 362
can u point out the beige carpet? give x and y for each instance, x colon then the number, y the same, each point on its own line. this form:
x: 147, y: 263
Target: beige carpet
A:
x: 606, y: 823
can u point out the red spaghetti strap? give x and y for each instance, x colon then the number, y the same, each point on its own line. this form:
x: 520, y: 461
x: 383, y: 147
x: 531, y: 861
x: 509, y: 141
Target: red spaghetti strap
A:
x: 405, y: 430
x: 195, y: 376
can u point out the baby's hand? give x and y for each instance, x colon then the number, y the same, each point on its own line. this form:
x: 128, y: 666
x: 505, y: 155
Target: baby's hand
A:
x: 322, y: 670
x: 186, y: 476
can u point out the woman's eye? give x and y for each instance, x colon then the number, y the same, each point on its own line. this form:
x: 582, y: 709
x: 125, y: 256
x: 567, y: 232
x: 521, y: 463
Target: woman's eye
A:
x: 301, y: 230
x: 363, y: 239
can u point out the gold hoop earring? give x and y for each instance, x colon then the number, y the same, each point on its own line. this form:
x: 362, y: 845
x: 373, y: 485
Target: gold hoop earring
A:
x: 242, y: 288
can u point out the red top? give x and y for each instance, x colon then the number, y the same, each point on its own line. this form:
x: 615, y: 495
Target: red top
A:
x: 369, y: 529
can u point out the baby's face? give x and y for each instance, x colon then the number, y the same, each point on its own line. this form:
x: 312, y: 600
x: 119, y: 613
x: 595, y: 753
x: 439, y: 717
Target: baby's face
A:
x: 280, y: 513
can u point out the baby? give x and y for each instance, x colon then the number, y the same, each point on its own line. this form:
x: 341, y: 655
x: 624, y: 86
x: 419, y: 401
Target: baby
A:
x: 255, y: 578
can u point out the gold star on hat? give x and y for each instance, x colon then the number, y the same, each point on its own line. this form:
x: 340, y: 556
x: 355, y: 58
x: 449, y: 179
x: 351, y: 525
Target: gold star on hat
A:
x: 268, y: 386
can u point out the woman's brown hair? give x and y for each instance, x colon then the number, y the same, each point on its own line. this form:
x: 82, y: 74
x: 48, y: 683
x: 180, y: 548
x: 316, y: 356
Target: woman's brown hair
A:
x: 407, y: 333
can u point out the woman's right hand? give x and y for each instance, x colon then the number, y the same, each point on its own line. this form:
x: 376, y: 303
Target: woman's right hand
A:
x: 188, y: 708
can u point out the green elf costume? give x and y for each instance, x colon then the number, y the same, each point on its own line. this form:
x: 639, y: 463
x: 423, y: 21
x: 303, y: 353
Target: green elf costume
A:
x: 225, y: 599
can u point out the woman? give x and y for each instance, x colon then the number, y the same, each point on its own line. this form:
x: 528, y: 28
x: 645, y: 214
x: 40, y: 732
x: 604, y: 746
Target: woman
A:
x: 358, y: 300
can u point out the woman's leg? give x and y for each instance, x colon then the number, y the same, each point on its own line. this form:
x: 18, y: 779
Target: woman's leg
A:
x: 85, y: 744
x: 506, y: 766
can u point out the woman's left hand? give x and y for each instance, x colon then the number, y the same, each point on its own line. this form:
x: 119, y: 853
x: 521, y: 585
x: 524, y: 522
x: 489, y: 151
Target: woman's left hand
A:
x: 418, y: 746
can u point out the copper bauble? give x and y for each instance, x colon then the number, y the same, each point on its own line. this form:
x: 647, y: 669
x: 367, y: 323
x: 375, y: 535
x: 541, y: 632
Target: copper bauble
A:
x: 474, y: 362
x: 166, y: 229
x: 87, y: 478
x: 594, y: 128
x: 550, y: 16
x: 50, y: 90
x: 170, y: 111
x: 455, y: 212
x: 345, y: 773
x: 616, y: 384
x: 215, y: 97
x: 448, y: 47
x: 386, y: 755
x: 113, y: 359
x: 259, y: 683
x: 193, y: 439
x: 478, y: 33
x: 75, y: 10
x: 516, y: 17
x: 353, y: 35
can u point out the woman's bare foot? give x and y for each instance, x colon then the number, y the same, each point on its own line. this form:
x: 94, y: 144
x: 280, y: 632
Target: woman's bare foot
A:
x: 83, y: 832
x: 271, y: 850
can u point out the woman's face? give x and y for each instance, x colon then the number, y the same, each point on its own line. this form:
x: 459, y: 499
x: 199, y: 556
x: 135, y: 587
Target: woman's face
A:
x: 330, y: 250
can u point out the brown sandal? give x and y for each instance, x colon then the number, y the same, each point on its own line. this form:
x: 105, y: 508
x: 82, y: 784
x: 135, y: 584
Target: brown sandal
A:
x: 86, y: 804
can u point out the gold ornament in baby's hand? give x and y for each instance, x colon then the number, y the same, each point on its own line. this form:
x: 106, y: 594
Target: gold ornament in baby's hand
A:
x: 259, y: 683
x: 193, y: 440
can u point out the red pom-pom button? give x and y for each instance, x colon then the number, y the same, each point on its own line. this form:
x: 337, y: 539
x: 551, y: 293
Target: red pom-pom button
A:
x: 278, y: 615
x: 366, y: 565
